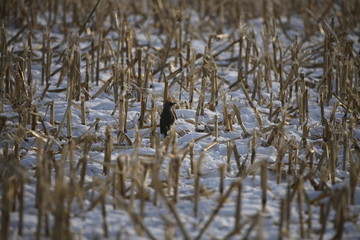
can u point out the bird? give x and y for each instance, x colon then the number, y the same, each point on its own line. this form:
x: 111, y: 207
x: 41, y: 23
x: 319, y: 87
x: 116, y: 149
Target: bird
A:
x: 167, y: 118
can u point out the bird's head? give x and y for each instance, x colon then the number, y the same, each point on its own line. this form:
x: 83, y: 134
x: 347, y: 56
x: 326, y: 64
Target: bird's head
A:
x: 168, y: 105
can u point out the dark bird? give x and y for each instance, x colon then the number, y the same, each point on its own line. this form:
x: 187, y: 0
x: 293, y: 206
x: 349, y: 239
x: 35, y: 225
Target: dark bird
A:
x: 167, y: 118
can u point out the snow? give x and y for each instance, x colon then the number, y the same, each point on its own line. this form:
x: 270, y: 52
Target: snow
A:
x: 87, y: 221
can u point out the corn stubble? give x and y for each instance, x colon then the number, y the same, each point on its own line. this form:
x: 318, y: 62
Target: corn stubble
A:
x: 130, y: 179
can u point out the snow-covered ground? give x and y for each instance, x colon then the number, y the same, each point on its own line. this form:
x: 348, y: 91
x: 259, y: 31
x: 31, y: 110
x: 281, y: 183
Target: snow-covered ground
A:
x: 86, y: 216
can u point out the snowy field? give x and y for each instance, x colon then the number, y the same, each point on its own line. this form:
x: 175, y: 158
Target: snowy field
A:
x: 265, y: 144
